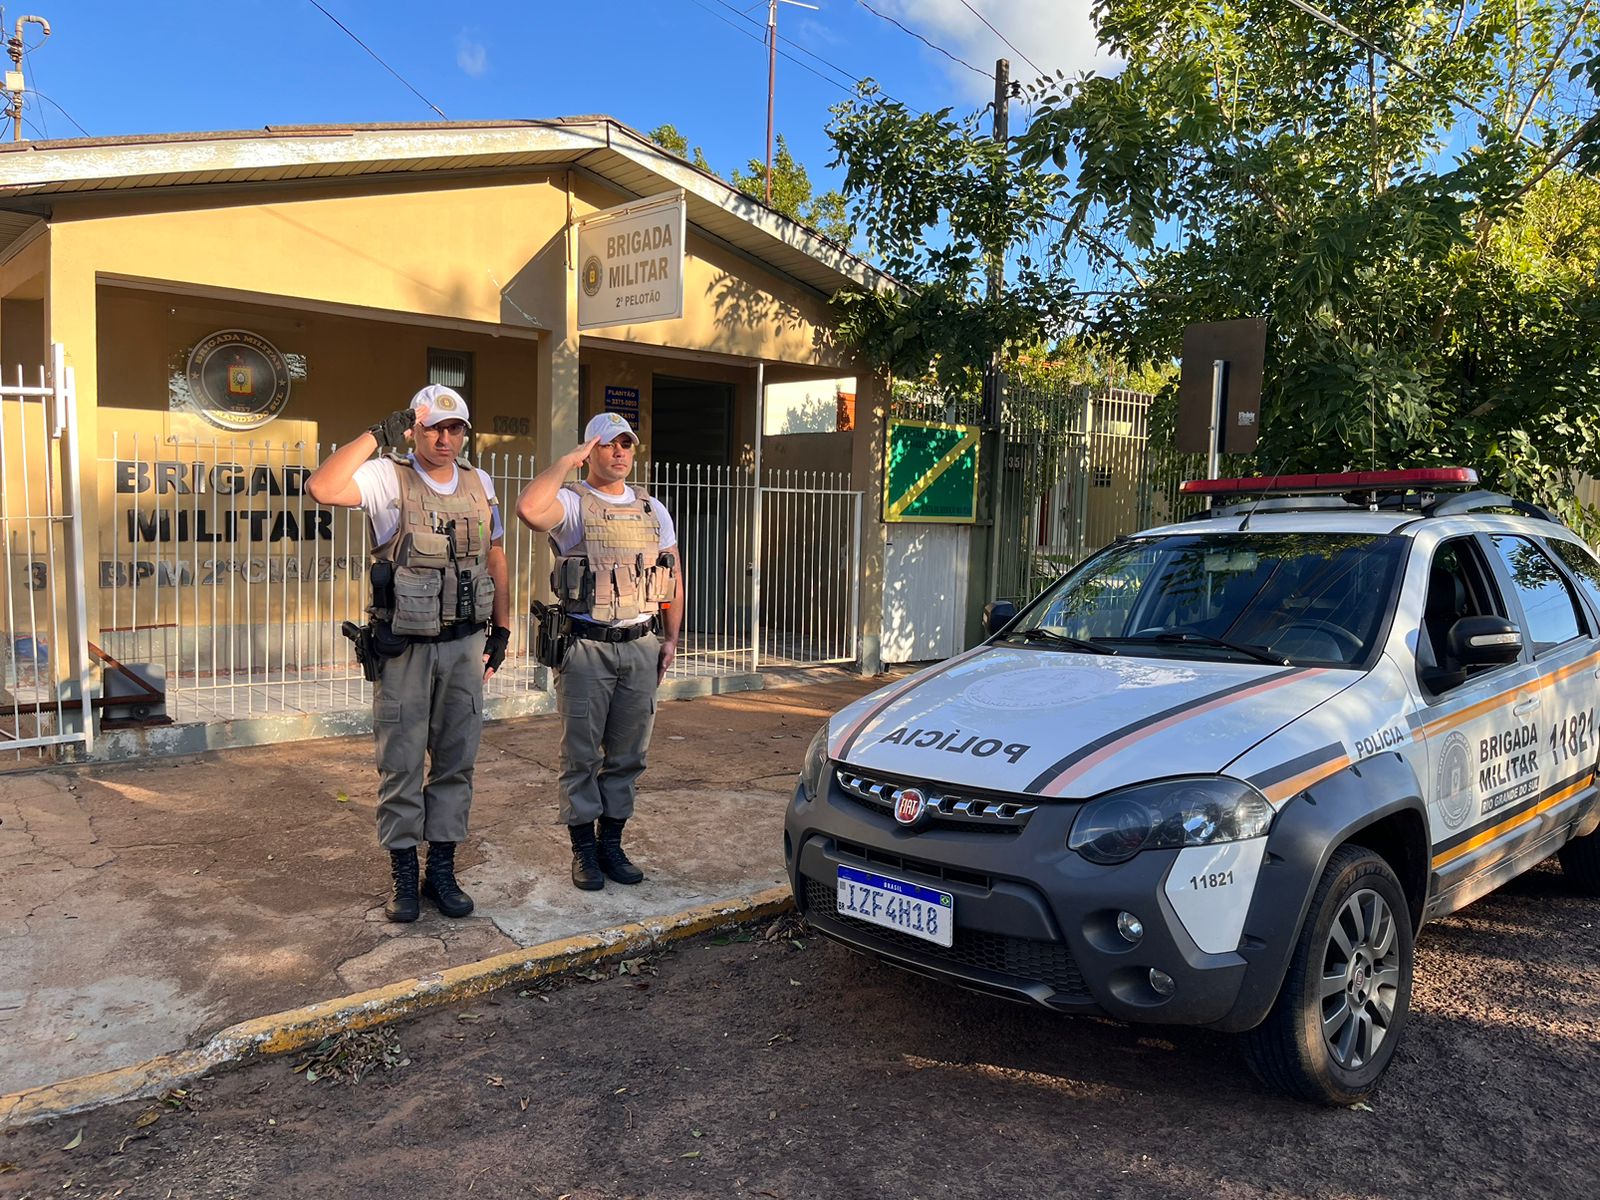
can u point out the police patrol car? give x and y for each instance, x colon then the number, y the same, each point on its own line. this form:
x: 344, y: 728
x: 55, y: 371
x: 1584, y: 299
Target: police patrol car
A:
x: 1221, y: 772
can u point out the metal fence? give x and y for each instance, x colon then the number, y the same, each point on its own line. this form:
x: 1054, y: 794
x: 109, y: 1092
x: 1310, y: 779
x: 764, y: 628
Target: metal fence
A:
x: 226, y: 584
x: 43, y: 644
x: 1075, y: 476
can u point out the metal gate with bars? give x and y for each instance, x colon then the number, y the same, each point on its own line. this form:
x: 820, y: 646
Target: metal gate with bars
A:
x: 224, y: 584
x: 44, y: 650
x: 1074, y: 475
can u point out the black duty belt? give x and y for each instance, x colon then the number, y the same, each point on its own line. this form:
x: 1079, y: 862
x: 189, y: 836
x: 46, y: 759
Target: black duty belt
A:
x: 452, y: 633
x: 611, y: 633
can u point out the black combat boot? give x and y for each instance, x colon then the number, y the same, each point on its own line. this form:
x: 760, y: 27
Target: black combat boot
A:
x: 612, y: 859
x: 585, y: 860
x: 403, y: 904
x: 439, y: 882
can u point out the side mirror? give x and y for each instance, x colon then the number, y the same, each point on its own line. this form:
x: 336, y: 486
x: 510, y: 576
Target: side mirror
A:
x: 997, y: 614
x: 1484, y: 641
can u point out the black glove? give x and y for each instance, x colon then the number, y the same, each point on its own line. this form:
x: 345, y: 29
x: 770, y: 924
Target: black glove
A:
x: 494, y: 647
x: 391, y: 431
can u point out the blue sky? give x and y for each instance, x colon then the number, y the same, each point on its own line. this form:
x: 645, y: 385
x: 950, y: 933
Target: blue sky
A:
x: 178, y: 65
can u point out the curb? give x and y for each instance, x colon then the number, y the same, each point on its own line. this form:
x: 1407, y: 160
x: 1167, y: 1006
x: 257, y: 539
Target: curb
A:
x: 295, y: 1028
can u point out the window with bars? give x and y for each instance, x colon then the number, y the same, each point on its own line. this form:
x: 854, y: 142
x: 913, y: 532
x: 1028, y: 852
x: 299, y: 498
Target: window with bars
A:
x: 452, y: 368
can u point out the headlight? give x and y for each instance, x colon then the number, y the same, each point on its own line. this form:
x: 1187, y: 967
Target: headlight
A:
x: 814, y: 770
x: 1168, y: 815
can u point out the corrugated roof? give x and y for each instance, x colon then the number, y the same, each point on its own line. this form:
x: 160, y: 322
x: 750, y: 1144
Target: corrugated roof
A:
x: 30, y: 172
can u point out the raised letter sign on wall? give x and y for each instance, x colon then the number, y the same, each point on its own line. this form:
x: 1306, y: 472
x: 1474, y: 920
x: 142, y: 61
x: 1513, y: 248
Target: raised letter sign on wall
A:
x: 630, y: 263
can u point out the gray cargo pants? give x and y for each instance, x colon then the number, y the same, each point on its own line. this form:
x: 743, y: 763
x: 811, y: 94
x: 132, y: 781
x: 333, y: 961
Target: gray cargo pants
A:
x: 428, y: 703
x: 606, y: 694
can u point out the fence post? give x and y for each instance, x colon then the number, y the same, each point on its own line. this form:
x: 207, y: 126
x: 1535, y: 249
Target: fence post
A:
x: 64, y: 383
x: 755, y: 521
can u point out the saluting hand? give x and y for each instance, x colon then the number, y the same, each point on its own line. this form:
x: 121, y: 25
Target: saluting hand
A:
x: 575, y: 459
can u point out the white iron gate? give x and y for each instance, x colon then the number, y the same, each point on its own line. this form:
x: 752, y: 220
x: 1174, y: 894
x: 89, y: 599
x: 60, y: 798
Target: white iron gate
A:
x: 223, y: 583
x: 44, y: 657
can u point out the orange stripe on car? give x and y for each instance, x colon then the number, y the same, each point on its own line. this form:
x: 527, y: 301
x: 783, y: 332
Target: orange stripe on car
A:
x: 1505, y: 827
x: 1061, y: 782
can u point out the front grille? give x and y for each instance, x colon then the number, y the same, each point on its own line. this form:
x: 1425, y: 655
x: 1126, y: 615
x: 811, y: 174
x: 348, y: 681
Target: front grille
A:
x: 991, y: 814
x: 1026, y: 959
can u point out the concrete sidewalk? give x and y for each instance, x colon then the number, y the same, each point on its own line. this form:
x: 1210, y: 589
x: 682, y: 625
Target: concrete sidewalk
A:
x: 146, y: 906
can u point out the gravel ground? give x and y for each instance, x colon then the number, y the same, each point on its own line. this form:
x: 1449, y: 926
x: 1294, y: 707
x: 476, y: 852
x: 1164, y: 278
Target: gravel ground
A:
x: 768, y: 1063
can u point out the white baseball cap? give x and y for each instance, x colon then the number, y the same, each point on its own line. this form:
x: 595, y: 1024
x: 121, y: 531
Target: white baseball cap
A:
x: 608, y: 426
x: 444, y: 404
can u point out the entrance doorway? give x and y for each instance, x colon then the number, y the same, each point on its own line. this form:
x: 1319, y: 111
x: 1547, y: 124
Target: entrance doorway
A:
x: 691, y: 421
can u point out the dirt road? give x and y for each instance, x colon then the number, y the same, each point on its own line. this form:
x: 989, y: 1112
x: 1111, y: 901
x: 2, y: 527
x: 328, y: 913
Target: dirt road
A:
x: 786, y: 1067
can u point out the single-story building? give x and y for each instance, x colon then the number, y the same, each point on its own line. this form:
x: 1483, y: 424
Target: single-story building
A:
x: 188, y: 322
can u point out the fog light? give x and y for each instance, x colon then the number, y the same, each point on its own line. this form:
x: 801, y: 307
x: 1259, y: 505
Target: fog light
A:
x: 1129, y: 926
x: 1162, y: 982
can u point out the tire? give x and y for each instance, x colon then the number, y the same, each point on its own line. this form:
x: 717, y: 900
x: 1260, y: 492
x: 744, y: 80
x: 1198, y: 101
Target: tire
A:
x: 1357, y: 935
x: 1580, y: 863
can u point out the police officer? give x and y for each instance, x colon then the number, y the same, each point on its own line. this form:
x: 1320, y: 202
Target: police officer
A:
x: 438, y: 577
x: 618, y: 578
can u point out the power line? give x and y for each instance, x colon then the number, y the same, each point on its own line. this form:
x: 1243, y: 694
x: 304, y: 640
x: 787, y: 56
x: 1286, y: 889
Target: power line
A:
x: 1037, y: 68
x: 33, y: 70
x: 374, y: 53
x: 763, y: 41
x: 931, y: 45
x: 61, y: 110
x: 855, y: 80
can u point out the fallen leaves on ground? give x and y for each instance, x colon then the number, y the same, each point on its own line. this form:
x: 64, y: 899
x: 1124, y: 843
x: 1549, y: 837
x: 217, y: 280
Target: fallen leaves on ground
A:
x: 351, y: 1056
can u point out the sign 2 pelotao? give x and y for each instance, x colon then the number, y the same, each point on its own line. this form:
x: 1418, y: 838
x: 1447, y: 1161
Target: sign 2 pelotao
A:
x: 931, y: 472
x: 630, y: 262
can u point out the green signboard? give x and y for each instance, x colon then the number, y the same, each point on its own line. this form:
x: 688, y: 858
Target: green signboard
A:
x: 931, y: 472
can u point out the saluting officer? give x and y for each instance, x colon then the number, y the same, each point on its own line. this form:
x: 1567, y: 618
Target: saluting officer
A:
x: 618, y: 578
x: 438, y: 577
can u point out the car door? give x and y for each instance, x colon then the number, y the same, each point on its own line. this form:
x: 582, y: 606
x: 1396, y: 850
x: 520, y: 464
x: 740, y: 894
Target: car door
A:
x: 1559, y: 633
x: 1478, y: 725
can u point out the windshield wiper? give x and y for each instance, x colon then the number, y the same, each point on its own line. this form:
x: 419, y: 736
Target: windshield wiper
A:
x: 1062, y: 639
x: 1259, y: 653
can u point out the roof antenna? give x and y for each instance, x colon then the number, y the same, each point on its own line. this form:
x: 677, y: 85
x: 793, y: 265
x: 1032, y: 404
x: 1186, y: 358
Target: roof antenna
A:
x: 1271, y: 483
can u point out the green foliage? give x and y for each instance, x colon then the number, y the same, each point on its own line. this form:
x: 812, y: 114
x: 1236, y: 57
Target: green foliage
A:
x: 940, y: 204
x: 673, y: 142
x: 792, y: 195
x: 1428, y: 270
x: 791, y: 185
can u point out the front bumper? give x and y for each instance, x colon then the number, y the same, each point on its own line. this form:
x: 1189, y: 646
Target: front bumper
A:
x: 1033, y: 921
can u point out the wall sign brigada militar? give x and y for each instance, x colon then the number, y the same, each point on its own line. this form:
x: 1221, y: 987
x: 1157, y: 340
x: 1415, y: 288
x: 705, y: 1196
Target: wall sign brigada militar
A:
x: 237, y: 379
x: 630, y: 263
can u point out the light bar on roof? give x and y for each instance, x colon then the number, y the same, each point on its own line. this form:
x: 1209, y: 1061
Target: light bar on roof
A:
x: 1340, y: 481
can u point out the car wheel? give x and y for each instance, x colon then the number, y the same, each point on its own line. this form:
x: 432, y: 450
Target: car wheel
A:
x: 1580, y: 863
x: 1343, y: 1005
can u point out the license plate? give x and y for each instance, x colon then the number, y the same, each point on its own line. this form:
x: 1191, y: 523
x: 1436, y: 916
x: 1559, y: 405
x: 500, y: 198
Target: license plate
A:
x: 895, y: 904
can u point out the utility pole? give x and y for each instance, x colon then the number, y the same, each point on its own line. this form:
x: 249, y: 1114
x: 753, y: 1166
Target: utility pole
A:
x: 772, y: 74
x: 15, y: 85
x: 993, y: 378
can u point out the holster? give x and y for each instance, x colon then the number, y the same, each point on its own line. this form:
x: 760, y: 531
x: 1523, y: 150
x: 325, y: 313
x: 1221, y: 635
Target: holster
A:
x: 361, y: 638
x: 552, y: 636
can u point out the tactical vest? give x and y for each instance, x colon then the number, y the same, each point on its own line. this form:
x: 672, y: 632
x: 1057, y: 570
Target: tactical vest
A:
x: 440, y: 555
x: 617, y: 571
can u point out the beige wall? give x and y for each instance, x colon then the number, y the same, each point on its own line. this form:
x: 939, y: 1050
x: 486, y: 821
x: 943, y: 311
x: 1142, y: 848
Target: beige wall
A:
x: 357, y: 371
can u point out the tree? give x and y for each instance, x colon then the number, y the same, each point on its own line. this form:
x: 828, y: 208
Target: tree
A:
x: 673, y: 142
x: 940, y: 203
x: 1396, y: 197
x: 792, y: 195
x: 791, y: 185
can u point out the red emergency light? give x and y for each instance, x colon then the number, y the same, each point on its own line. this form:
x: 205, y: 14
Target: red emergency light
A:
x: 1421, y: 478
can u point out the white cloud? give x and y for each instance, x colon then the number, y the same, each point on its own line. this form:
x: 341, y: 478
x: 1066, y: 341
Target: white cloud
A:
x: 1056, y: 35
x: 472, y: 56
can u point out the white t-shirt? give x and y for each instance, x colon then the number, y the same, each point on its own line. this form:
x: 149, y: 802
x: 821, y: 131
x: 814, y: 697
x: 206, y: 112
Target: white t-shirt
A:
x: 380, y: 496
x: 570, y: 532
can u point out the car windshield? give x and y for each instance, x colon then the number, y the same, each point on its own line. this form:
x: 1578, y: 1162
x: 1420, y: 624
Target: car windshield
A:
x: 1302, y: 598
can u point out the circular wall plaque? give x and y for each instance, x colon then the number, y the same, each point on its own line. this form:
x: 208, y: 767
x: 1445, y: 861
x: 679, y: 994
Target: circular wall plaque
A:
x: 238, y: 379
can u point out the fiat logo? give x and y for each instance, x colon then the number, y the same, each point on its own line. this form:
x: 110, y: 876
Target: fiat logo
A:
x: 909, y: 805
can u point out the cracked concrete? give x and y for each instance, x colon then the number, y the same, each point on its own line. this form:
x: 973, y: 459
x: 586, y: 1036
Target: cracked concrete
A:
x: 144, y: 906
